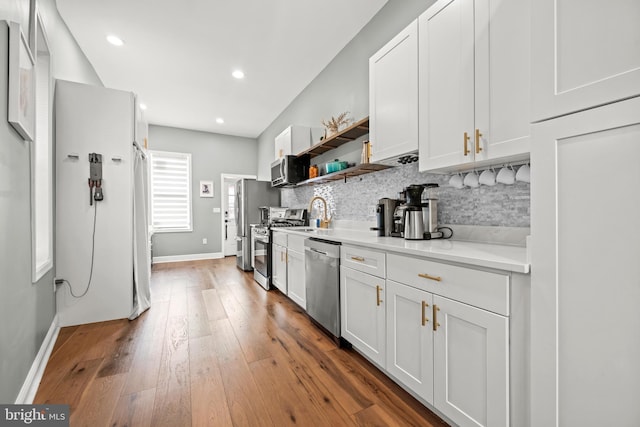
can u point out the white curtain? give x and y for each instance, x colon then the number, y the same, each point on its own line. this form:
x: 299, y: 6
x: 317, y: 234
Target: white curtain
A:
x: 141, y: 250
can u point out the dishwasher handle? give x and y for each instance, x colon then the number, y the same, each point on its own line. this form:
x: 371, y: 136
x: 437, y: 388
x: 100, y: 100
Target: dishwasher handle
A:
x: 318, y: 252
x: 322, y: 248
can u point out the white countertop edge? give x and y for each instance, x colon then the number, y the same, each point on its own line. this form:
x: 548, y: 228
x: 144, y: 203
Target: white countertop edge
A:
x: 500, y: 257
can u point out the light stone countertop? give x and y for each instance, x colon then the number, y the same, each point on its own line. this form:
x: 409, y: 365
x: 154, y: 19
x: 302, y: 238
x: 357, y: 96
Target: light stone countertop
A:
x: 501, y: 257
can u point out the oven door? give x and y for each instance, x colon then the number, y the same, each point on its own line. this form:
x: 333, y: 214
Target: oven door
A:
x: 262, y: 260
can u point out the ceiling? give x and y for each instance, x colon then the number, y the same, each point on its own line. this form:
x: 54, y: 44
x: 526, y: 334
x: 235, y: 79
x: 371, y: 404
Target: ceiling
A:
x: 178, y: 56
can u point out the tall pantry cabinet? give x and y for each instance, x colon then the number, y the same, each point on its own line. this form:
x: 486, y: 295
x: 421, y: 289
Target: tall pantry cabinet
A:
x: 584, y: 209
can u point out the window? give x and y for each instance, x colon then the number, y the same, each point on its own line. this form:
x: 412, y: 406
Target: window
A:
x: 170, y: 191
x: 231, y: 202
x: 41, y: 163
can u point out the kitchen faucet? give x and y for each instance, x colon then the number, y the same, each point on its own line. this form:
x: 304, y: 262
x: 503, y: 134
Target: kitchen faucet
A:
x: 324, y: 222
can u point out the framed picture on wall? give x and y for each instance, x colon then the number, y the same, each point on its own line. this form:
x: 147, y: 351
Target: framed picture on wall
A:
x: 22, y: 90
x: 206, y: 188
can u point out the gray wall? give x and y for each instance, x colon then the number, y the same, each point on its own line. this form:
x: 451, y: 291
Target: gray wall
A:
x: 344, y: 84
x: 26, y: 309
x: 211, y: 155
x: 499, y: 205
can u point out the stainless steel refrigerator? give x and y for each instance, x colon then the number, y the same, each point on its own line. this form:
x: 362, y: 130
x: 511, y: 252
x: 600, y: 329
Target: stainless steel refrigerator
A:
x: 250, y: 195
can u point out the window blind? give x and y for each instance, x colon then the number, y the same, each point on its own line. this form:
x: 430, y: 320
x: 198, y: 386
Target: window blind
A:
x: 170, y: 191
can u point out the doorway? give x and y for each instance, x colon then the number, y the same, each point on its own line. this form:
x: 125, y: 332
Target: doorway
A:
x: 228, y: 205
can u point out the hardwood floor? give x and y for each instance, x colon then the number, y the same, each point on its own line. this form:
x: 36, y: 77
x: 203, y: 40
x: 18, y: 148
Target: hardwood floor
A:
x: 215, y: 349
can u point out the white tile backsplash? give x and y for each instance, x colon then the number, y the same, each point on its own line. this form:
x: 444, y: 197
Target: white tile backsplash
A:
x: 500, y: 205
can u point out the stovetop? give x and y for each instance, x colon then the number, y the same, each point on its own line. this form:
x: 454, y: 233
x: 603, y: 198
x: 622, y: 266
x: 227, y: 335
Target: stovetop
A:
x: 287, y: 223
x: 290, y: 218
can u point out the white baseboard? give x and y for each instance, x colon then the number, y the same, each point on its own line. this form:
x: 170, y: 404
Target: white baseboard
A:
x: 188, y: 257
x: 32, y: 382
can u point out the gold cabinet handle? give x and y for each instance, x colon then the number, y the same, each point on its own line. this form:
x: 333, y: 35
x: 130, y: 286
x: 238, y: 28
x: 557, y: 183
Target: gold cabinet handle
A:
x: 424, y: 316
x: 466, y: 143
x: 430, y: 277
x: 378, y: 300
x: 357, y: 258
x: 478, y: 141
x: 435, y: 321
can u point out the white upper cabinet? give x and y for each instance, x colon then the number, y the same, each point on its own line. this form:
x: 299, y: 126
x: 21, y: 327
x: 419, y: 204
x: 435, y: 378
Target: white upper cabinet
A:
x: 295, y: 139
x: 393, y: 96
x: 583, y: 56
x: 446, y: 84
x: 474, y: 92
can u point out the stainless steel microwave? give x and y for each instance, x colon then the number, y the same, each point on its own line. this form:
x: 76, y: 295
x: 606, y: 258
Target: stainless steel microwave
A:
x: 289, y: 170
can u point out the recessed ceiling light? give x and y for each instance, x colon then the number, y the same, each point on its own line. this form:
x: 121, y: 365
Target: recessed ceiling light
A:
x: 115, y: 40
x: 238, y: 74
x: 143, y: 106
x: 220, y: 120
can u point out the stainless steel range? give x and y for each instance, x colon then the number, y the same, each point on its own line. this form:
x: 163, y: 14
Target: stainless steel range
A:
x: 272, y: 218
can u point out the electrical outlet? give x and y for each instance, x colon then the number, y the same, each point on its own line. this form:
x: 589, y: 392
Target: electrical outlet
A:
x: 204, y: 241
x: 371, y: 211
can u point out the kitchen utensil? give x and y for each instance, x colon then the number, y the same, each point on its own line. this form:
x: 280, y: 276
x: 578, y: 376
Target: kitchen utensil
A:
x: 506, y: 175
x: 413, y: 223
x: 487, y: 177
x: 336, y: 166
x: 456, y: 181
x: 523, y: 174
x: 471, y: 180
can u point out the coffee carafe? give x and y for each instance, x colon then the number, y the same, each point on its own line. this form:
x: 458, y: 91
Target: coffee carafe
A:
x: 413, y: 221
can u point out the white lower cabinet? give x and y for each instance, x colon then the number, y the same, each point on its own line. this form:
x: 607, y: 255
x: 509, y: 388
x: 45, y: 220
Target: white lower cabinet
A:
x: 362, y: 313
x: 470, y: 364
x: 279, y: 268
x: 452, y: 355
x: 452, y: 335
x: 296, y: 289
x: 410, y: 338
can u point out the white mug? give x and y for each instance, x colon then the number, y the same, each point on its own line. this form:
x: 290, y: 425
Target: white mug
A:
x: 487, y: 177
x: 523, y: 174
x: 456, y: 181
x: 471, y: 180
x: 506, y: 175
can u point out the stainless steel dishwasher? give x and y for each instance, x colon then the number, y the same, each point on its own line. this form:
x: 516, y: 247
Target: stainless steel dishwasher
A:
x: 322, y: 282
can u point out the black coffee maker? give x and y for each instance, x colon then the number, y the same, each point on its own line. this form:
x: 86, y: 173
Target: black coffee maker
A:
x: 415, y: 219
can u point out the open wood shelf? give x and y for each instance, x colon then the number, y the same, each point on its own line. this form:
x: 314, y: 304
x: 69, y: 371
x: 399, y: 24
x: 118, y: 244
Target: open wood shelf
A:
x: 361, y: 169
x: 349, y: 134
